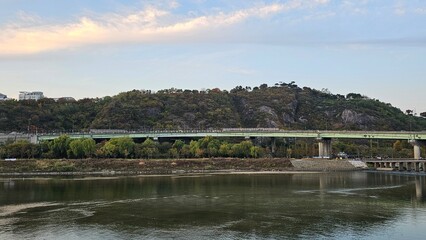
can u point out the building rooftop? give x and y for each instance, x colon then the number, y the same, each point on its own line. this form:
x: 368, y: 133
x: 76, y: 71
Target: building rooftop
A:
x: 36, y: 95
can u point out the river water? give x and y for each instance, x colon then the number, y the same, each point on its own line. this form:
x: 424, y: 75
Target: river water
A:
x: 351, y: 205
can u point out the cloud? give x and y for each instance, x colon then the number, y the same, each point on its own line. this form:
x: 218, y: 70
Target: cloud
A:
x: 399, y: 8
x: 400, y: 11
x: 366, y: 44
x: 420, y: 10
x: 149, y: 25
x: 358, y: 7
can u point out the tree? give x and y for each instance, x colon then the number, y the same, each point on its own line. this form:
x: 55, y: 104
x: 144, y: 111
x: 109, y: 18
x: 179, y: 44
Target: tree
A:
x: 255, y: 151
x: 59, y: 146
x: 238, y: 89
x: 3, y: 153
x: 213, y: 148
x: 20, y: 149
x: 326, y: 91
x: 225, y: 149
x: 84, y: 147
x: 174, y: 152
x: 164, y: 150
x: 119, y: 147
x: 76, y: 149
x: 194, y: 149
x: 263, y: 86
x: 397, y: 146
x: 109, y: 149
x: 289, y: 152
x: 423, y: 114
x: 242, y: 149
x: 149, y: 148
x: 178, y: 145
x: 354, y: 96
x: 204, y: 142
x: 125, y: 146
x: 185, y: 151
x: 89, y: 147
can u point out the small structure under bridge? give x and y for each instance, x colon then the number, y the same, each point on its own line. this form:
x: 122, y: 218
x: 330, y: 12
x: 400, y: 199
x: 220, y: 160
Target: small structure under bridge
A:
x: 398, y: 165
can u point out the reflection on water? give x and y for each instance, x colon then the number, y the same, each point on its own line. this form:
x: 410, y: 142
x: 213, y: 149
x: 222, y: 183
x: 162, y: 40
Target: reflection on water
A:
x: 339, y: 205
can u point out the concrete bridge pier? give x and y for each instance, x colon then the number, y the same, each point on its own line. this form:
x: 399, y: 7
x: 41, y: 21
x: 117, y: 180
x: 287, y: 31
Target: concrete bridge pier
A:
x: 273, y: 145
x: 417, y: 167
x: 324, y: 147
x: 417, y: 150
x: 401, y: 166
x: 409, y: 164
x: 34, y: 139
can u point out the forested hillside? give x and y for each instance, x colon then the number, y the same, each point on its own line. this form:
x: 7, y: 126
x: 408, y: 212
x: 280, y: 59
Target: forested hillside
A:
x: 284, y: 105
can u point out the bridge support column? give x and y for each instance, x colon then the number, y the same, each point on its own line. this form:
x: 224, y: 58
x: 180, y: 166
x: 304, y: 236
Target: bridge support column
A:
x: 324, y: 148
x: 417, y: 151
x: 34, y: 139
x: 401, y: 166
x: 273, y: 146
x: 417, y: 167
x: 409, y: 164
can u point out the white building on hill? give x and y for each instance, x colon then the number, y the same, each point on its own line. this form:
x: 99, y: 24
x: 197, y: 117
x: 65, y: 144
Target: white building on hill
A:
x: 2, y: 97
x: 30, y: 95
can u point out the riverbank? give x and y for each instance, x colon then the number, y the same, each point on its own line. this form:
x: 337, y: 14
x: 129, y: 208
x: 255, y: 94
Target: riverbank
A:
x: 102, y: 167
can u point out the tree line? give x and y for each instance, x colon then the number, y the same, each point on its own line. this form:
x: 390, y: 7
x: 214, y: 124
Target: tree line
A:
x: 207, y: 147
x: 124, y: 147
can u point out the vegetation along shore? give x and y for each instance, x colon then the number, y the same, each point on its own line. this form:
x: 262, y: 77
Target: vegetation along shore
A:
x: 166, y: 166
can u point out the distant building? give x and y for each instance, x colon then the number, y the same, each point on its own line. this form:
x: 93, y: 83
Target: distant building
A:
x: 30, y: 95
x: 65, y: 99
x: 2, y: 97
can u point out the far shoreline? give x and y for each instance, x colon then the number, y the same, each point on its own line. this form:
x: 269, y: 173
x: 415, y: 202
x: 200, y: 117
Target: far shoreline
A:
x: 107, y: 175
x: 169, y: 167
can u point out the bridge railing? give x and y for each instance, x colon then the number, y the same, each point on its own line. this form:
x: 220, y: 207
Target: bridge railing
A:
x: 222, y: 130
x: 118, y: 131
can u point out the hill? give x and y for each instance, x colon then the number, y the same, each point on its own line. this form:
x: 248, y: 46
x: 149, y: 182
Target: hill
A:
x: 284, y: 105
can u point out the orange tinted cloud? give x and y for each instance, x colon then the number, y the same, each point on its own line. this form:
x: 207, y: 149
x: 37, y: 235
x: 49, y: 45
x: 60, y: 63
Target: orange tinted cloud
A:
x: 146, y: 26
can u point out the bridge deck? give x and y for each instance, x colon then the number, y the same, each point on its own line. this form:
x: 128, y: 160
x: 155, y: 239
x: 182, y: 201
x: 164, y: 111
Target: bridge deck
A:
x: 247, y: 134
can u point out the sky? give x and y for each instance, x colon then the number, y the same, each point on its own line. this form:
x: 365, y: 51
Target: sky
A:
x: 96, y: 48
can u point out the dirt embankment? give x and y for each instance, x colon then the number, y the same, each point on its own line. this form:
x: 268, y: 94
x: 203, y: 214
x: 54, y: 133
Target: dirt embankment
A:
x: 143, y: 166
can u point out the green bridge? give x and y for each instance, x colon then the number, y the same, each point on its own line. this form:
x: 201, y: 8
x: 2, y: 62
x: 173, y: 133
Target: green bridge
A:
x: 324, y: 137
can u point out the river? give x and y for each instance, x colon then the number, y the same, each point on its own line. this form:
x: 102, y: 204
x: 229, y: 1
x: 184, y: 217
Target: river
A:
x: 350, y: 205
